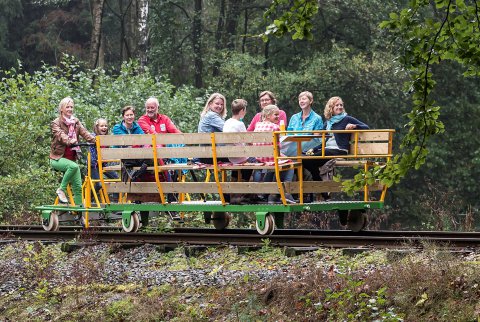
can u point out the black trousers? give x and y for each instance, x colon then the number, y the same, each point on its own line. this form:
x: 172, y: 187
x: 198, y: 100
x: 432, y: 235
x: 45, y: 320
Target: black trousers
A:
x: 313, y: 165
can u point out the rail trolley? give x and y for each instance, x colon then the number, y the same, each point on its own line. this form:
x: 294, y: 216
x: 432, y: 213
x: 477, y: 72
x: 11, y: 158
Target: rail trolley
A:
x: 368, y: 148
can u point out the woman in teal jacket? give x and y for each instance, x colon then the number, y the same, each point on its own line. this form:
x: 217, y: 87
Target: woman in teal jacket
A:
x: 128, y: 125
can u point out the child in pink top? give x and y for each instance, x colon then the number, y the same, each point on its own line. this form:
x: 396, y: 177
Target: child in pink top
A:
x: 269, y: 123
x: 270, y: 120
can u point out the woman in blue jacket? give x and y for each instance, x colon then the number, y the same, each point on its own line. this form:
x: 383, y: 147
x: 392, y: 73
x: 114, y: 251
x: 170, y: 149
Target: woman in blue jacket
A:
x: 128, y: 125
x: 338, y: 143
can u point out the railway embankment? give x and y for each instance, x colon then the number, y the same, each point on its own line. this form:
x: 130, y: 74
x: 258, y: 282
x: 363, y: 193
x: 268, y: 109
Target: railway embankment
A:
x: 112, y: 282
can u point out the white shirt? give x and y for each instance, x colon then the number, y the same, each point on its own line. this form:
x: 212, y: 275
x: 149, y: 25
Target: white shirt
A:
x: 233, y: 125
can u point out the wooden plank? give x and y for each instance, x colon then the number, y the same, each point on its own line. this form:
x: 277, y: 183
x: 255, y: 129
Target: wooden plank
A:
x: 185, y: 152
x: 244, y: 151
x: 131, y: 139
x: 371, y: 149
x: 113, y: 168
x: 249, y: 187
x: 183, y: 138
x: 243, y: 137
x: 168, y: 187
x: 372, y: 136
x: 321, y: 186
x: 229, y: 187
x: 193, y: 187
x: 126, y: 153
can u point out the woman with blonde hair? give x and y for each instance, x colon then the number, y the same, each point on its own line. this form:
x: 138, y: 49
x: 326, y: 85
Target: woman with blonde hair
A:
x: 213, y: 115
x: 338, y: 143
x: 212, y: 119
x: 66, y: 130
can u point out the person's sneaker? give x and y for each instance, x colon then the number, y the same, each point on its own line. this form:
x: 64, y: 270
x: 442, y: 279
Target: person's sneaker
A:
x: 290, y: 199
x: 61, y: 196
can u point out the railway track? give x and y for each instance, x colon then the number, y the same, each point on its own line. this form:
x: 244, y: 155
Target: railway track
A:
x: 247, y: 237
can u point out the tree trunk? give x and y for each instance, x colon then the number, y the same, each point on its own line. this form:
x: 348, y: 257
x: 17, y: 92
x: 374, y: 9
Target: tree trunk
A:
x: 142, y: 12
x: 233, y: 13
x: 218, y: 36
x: 266, y: 56
x: 96, y: 37
x: 197, y: 43
x: 245, y: 30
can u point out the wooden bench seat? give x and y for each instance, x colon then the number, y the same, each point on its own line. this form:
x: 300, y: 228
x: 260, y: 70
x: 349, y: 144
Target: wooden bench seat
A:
x: 192, y: 145
x: 368, y: 148
x: 225, y: 167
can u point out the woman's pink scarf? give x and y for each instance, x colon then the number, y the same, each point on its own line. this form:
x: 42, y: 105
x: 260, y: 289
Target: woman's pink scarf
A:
x: 71, y: 130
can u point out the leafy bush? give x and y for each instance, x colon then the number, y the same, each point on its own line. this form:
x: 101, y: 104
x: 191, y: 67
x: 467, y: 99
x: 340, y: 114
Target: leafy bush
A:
x: 30, y: 103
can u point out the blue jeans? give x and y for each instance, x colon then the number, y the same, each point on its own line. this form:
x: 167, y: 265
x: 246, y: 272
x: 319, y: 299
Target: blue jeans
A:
x: 285, y: 176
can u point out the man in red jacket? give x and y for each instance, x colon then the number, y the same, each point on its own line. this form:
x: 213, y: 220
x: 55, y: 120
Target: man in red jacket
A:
x: 153, y: 122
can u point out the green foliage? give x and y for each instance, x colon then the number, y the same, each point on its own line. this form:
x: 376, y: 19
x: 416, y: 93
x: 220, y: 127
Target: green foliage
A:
x: 451, y: 33
x: 21, y: 191
x: 361, y: 76
x: 295, y: 19
x: 30, y: 103
x: 366, y: 307
x: 120, y: 310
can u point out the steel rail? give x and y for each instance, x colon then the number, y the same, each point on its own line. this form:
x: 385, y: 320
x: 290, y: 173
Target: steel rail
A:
x: 331, y: 232
x: 335, y: 239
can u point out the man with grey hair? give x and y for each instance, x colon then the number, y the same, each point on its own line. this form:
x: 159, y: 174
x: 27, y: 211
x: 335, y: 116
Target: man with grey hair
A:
x: 153, y: 122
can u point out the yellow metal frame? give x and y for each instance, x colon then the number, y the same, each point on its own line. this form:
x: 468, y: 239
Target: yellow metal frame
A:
x: 220, y: 174
x: 323, y: 134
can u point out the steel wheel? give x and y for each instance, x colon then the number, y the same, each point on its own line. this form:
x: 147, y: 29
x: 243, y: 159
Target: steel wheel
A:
x: 53, y: 223
x: 269, y: 225
x: 220, y: 220
x: 357, y: 220
x: 134, y: 223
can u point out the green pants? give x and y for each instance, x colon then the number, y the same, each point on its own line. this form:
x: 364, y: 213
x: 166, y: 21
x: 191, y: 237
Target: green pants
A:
x: 71, y: 176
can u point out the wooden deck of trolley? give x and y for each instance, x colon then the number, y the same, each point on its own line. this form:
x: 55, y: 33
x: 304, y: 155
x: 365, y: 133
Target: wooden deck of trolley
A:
x: 368, y: 148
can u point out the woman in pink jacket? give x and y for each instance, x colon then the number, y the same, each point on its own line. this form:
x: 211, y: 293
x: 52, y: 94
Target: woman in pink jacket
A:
x: 266, y: 98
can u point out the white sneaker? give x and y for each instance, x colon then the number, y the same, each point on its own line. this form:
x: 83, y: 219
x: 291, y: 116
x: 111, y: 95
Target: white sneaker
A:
x: 289, y: 199
x: 61, y: 196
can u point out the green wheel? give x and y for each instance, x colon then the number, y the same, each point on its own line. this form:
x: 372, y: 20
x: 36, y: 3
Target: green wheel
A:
x: 133, y: 225
x: 52, y: 224
x: 269, y: 225
x: 220, y: 220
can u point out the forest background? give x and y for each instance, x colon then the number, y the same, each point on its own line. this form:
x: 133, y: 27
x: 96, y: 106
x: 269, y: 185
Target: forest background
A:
x: 110, y: 53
